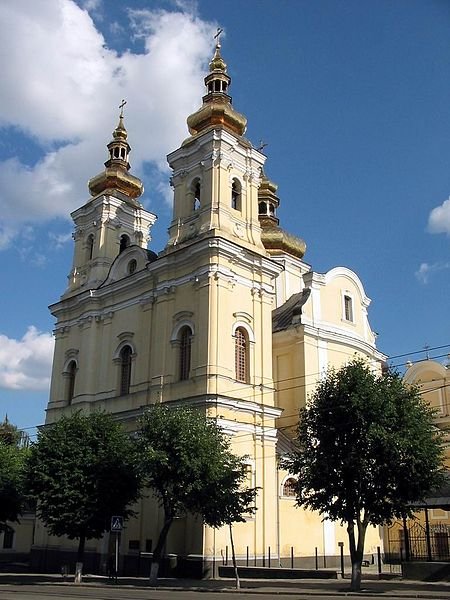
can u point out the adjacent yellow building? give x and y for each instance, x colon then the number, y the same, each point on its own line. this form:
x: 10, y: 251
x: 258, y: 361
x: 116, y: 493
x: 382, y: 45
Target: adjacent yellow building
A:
x: 227, y: 317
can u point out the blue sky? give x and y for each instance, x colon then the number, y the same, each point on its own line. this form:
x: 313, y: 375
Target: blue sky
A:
x: 352, y: 98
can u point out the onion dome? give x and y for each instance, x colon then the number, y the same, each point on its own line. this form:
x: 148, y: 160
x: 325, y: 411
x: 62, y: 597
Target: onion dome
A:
x: 275, y: 239
x: 116, y: 175
x: 217, y: 109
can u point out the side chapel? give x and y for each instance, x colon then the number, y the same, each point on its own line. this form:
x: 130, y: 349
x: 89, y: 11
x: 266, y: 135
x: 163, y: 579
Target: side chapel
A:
x: 227, y: 318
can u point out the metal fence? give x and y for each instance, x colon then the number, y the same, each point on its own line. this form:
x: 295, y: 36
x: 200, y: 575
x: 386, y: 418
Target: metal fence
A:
x: 418, y: 543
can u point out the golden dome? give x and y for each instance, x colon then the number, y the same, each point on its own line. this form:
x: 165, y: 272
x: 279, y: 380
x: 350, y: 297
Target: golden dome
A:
x: 217, y: 109
x: 116, y: 175
x: 275, y: 239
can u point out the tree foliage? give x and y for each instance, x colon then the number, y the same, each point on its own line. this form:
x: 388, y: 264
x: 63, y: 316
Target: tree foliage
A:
x: 12, y: 458
x: 10, y: 435
x: 366, y: 448
x: 82, y: 470
x: 187, y: 462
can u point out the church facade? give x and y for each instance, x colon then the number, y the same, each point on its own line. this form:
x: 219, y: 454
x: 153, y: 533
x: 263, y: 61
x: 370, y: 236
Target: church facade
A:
x: 227, y: 318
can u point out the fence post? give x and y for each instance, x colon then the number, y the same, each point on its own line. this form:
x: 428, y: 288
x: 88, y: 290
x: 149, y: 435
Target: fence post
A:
x: 247, y: 557
x: 226, y: 556
x: 317, y: 559
x: 427, y: 533
x: 292, y: 557
x: 341, y: 548
x: 379, y: 560
x: 406, y: 536
x: 269, y: 557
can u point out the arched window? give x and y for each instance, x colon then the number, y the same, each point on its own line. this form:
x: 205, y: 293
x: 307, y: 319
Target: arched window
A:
x: 262, y: 208
x: 185, y: 337
x: 124, y: 242
x: 125, y: 370
x: 90, y: 246
x: 70, y: 383
x: 196, y: 190
x: 241, y: 354
x: 236, y: 194
x: 132, y: 266
x: 289, y: 487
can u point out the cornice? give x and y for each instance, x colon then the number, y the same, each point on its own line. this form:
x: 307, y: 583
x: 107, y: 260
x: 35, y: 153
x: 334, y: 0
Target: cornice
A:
x: 328, y: 333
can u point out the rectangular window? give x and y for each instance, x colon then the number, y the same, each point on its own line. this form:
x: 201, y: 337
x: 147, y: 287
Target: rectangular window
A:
x: 348, y: 308
x: 133, y: 545
x: 8, y: 538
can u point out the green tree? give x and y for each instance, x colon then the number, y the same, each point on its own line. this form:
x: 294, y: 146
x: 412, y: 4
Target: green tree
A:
x: 83, y: 470
x: 187, y: 463
x: 366, y: 447
x: 12, y: 457
x: 10, y: 435
x: 229, y: 499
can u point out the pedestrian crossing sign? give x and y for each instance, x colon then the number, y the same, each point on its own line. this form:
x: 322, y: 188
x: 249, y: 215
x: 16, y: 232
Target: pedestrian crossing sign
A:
x: 116, y: 523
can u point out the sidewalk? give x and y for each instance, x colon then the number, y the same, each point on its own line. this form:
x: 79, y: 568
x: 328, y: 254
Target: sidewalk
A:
x: 394, y: 588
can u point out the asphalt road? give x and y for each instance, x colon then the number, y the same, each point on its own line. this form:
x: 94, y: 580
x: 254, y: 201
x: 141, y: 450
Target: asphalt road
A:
x: 20, y: 592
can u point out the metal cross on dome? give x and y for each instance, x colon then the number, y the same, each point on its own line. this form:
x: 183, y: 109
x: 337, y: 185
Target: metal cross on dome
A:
x: 121, y: 107
x: 217, y: 36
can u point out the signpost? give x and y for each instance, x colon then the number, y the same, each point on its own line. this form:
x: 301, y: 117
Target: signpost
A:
x: 116, y: 527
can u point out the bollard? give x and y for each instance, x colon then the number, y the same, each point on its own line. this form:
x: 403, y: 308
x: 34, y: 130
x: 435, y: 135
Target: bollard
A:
x: 269, y: 557
x: 292, y: 557
x: 379, y: 560
x: 247, y: 557
x: 317, y: 559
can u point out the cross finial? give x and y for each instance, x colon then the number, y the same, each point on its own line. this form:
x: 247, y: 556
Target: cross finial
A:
x: 121, y: 105
x: 217, y: 37
x: 261, y: 146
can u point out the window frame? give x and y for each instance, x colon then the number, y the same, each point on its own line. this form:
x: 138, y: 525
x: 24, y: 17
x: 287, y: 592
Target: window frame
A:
x: 348, y: 308
x: 236, y: 194
x: 241, y: 354
x: 125, y: 369
x: 184, y: 352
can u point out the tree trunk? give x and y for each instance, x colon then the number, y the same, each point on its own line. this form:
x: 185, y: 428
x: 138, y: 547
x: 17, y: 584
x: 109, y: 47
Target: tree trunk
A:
x: 80, y: 558
x: 156, y: 560
x: 356, y: 552
x: 233, y: 555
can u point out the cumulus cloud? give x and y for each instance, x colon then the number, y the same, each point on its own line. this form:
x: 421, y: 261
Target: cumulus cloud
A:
x: 25, y: 364
x: 426, y: 270
x: 439, y: 219
x: 66, y: 99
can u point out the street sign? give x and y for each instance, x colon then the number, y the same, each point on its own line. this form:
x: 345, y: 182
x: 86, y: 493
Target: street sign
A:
x: 116, y: 523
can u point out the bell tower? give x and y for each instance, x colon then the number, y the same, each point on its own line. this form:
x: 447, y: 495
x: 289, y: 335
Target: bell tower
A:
x: 216, y: 171
x: 112, y: 219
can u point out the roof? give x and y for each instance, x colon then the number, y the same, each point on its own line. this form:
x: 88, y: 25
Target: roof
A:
x: 439, y: 498
x: 289, y: 313
x: 284, y: 444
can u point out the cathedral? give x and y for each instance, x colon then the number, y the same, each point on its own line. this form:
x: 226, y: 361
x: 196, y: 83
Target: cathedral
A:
x: 227, y: 318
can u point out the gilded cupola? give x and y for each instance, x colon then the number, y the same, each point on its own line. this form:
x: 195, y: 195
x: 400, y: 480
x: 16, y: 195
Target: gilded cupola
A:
x: 217, y: 109
x: 275, y: 239
x: 116, y: 175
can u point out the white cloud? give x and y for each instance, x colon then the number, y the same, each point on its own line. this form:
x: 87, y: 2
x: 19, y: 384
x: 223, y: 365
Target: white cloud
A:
x: 67, y: 95
x: 439, y: 219
x: 426, y: 270
x: 60, y: 239
x: 25, y: 364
